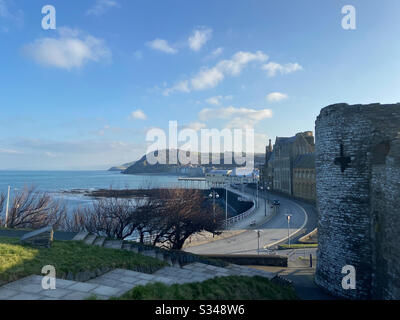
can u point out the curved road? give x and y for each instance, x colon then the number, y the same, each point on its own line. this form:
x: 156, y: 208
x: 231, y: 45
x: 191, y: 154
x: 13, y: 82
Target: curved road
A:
x: 272, y: 231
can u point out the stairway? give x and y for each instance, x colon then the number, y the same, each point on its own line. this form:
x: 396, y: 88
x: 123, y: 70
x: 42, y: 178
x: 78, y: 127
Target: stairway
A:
x: 119, y: 281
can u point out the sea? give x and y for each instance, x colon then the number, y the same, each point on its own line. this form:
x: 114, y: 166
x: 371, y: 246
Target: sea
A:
x: 68, y: 186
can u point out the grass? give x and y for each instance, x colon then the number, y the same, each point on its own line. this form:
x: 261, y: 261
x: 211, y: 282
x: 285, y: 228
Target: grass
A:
x: 18, y: 261
x: 298, y: 246
x: 223, y: 288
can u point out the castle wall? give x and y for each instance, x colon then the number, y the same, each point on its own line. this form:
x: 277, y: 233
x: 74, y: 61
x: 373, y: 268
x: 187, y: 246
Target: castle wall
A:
x: 347, y: 200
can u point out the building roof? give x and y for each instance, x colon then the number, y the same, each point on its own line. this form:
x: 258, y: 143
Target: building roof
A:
x: 285, y: 140
x: 305, y: 161
x: 245, y: 172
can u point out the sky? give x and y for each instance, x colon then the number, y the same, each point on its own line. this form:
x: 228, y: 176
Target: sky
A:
x: 84, y: 95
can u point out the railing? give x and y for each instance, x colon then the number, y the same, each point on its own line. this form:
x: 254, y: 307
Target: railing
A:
x: 241, y: 216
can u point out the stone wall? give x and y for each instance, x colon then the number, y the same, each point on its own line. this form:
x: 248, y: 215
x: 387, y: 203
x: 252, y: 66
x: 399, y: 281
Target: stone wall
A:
x: 357, y: 173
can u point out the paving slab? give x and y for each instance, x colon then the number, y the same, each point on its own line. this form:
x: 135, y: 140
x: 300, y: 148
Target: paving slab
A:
x: 6, y: 293
x: 105, y: 291
x: 25, y: 296
x: 83, y: 287
x: 57, y: 293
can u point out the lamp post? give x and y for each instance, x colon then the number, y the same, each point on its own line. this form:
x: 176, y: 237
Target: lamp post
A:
x: 257, y: 193
x: 288, y: 223
x: 214, y: 196
x: 258, y: 240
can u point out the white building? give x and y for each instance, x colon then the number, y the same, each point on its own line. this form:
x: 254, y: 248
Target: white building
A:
x: 235, y: 176
x: 218, y: 177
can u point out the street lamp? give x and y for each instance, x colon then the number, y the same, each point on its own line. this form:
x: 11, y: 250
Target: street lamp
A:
x: 257, y: 193
x: 214, y: 196
x: 288, y: 216
x: 258, y: 238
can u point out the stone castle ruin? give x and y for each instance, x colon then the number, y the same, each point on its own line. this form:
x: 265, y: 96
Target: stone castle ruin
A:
x: 358, y: 199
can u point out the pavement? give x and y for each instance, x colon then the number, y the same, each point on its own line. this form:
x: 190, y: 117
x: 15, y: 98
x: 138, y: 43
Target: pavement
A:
x: 119, y: 281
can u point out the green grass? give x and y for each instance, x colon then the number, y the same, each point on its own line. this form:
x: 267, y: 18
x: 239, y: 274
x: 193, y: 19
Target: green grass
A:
x: 298, y: 246
x: 18, y: 261
x: 224, y: 288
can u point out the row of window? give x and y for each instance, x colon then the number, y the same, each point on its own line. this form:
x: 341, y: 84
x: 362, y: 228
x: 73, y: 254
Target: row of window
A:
x: 304, y: 174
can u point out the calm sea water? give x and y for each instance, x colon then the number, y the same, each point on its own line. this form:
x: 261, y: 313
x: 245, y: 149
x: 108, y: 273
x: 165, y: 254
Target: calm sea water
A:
x: 57, y: 182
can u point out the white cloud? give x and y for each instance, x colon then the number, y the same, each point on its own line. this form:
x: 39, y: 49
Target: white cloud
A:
x: 208, y: 78
x: 273, y: 68
x: 161, y: 45
x: 138, y: 114
x: 217, y: 100
x: 71, y: 49
x: 276, y: 97
x: 182, y: 86
x: 10, y: 151
x: 236, y: 117
x: 217, y: 52
x: 101, y: 7
x: 195, y: 126
x: 199, y: 38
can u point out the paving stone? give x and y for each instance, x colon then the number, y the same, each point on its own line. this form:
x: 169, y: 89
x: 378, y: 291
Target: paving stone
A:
x: 32, y: 288
x: 83, y: 286
x: 61, y: 283
x: 144, y: 276
x: 76, y: 296
x: 130, y: 279
x: 57, y: 293
x: 107, y: 282
x: 6, y: 293
x: 105, y: 291
x: 25, y: 296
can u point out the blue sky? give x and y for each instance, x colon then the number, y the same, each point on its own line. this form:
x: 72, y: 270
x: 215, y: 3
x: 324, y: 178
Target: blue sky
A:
x: 84, y: 95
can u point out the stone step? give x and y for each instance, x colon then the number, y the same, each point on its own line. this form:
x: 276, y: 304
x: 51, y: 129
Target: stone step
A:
x: 90, y: 239
x: 99, y: 241
x: 127, y: 279
x: 30, y: 288
x: 80, y: 236
x: 113, y: 244
x: 208, y: 269
x: 250, y: 272
x: 181, y: 275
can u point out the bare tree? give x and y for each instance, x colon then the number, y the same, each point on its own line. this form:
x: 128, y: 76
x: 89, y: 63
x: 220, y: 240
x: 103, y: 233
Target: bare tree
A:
x: 33, y: 209
x: 187, y: 212
x: 2, y: 200
x: 168, y: 216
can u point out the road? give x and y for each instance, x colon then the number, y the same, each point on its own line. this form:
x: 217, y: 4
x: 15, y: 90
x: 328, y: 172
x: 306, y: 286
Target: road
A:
x: 272, y: 231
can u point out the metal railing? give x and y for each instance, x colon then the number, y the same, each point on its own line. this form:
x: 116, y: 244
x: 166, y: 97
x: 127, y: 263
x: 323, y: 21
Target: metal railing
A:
x: 241, y: 216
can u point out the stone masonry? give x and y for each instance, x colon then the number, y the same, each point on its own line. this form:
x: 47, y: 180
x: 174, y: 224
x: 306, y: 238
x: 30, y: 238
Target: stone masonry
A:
x: 358, y: 199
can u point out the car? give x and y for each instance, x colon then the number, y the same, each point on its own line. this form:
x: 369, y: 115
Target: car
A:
x: 276, y: 203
